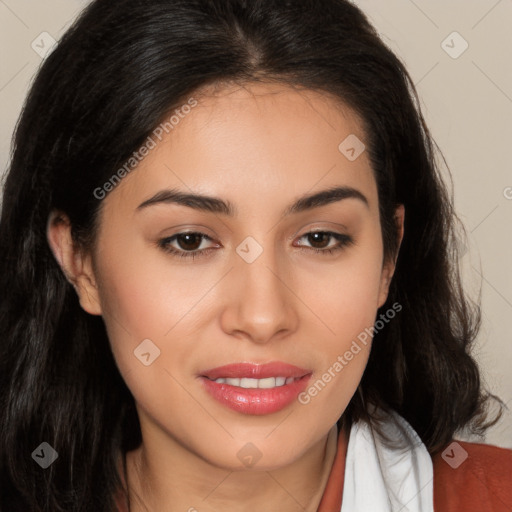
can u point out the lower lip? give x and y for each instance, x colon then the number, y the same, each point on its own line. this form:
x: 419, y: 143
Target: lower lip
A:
x: 256, y: 401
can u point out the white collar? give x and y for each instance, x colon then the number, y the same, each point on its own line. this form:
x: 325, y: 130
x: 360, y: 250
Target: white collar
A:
x: 383, y: 479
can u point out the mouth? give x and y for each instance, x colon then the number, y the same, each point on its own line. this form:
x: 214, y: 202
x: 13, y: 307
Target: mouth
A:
x: 255, y: 389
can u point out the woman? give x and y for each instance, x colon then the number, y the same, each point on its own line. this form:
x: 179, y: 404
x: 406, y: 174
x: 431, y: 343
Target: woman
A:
x: 229, y: 275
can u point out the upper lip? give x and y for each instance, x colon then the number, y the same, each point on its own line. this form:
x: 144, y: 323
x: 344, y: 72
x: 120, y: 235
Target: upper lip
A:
x: 255, y: 371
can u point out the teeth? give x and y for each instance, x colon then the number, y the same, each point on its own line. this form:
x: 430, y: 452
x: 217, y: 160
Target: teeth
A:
x: 269, y: 382
x: 247, y: 383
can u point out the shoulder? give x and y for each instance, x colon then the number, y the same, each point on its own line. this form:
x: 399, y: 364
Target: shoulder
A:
x: 472, y: 477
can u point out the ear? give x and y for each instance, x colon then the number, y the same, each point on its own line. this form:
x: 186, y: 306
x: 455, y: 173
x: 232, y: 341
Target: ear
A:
x: 388, y: 268
x: 76, y: 266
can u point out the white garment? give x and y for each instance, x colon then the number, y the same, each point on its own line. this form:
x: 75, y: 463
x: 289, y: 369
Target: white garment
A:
x: 383, y: 479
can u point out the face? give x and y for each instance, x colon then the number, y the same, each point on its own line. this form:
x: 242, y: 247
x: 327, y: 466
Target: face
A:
x: 266, y: 281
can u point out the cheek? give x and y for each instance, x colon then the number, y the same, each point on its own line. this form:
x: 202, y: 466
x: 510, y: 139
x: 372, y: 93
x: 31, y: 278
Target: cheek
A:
x: 153, y: 300
x: 144, y: 296
x: 344, y: 295
x: 347, y: 309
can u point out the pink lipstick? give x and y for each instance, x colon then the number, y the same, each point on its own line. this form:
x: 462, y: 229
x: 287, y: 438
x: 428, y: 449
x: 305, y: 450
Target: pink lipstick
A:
x: 256, y: 388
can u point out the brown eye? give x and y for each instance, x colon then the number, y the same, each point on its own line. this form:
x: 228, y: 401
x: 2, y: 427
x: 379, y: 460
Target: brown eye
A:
x: 189, y: 241
x: 318, y: 241
x: 186, y: 245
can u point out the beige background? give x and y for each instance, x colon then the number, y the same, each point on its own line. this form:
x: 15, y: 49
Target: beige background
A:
x: 467, y: 102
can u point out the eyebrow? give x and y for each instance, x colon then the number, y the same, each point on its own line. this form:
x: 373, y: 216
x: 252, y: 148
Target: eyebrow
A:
x: 217, y: 205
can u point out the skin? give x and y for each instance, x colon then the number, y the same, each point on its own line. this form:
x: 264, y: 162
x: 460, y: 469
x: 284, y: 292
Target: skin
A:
x: 261, y: 147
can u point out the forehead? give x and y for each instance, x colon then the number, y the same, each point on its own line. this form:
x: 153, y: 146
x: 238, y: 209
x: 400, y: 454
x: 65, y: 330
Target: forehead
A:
x: 267, y: 140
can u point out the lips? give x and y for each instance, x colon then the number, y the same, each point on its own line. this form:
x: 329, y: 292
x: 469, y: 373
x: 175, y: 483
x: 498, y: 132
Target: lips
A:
x: 231, y: 386
x: 255, y: 371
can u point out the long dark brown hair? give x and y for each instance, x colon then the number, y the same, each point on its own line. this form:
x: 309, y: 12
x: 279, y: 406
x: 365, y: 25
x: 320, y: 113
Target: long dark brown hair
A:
x: 116, y: 73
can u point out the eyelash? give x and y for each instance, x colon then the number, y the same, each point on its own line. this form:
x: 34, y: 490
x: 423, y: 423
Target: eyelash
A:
x: 344, y: 241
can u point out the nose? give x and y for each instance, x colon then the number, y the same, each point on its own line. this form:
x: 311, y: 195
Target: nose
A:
x: 261, y: 304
